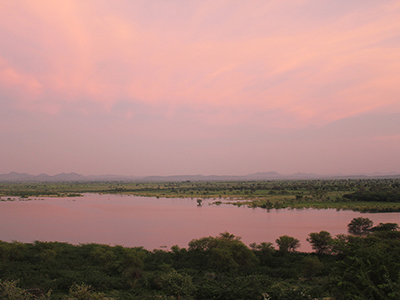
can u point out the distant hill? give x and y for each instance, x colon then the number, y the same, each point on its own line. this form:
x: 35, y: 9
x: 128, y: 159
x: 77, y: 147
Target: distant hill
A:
x: 24, y: 177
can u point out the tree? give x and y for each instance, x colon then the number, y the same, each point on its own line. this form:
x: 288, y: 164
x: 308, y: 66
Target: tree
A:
x: 287, y: 243
x: 312, y: 265
x: 262, y: 247
x: 225, y: 252
x: 320, y: 241
x: 176, y: 284
x: 368, y: 269
x: 360, y: 226
x: 84, y: 292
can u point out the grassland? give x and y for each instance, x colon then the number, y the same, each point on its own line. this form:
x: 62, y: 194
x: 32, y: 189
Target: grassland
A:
x: 365, y: 195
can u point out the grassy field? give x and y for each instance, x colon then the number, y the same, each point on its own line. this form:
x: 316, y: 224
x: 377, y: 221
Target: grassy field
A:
x: 339, y: 194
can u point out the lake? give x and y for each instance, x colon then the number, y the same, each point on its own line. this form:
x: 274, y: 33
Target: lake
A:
x: 153, y: 223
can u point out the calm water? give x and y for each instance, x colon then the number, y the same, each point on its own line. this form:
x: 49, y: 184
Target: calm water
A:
x: 152, y: 222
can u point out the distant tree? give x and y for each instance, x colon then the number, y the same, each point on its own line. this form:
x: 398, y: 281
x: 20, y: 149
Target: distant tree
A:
x: 229, y: 236
x: 360, y: 226
x: 287, y: 243
x: 264, y: 251
x: 262, y: 247
x: 320, y: 241
x: 299, y: 197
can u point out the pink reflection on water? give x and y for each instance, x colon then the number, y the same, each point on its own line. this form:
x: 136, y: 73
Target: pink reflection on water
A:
x: 151, y: 222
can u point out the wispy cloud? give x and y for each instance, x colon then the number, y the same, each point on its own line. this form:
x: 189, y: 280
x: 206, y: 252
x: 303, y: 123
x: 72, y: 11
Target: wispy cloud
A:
x: 200, y: 71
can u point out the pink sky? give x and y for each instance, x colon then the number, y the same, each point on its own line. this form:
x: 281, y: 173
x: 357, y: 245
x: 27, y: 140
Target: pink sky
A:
x: 189, y: 87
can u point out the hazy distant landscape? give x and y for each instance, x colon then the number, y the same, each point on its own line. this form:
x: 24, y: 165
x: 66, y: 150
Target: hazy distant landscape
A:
x: 14, y: 176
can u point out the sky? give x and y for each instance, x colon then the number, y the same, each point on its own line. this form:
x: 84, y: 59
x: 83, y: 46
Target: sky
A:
x: 199, y: 87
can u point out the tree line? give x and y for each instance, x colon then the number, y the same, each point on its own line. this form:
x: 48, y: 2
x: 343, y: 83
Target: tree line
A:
x: 364, y: 264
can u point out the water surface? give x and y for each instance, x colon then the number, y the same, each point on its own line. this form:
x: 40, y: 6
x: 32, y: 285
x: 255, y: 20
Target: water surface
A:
x: 151, y: 222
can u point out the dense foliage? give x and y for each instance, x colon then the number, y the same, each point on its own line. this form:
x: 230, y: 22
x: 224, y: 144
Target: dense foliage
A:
x: 222, y: 267
x: 392, y: 195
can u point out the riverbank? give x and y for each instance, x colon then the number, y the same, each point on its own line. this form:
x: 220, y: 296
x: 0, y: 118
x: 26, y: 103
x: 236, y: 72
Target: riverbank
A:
x: 364, y: 195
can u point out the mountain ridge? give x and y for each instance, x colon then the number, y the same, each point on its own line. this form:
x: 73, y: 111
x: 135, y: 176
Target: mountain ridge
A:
x: 272, y: 175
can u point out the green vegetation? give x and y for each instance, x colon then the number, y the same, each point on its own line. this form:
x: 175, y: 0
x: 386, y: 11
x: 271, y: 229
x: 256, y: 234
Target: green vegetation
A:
x: 287, y: 243
x: 360, y: 226
x: 364, y: 195
x: 221, y: 267
x: 320, y: 241
x: 362, y: 265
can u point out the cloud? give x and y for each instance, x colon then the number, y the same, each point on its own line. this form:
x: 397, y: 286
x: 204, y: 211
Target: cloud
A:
x: 210, y: 76
x: 318, y: 70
